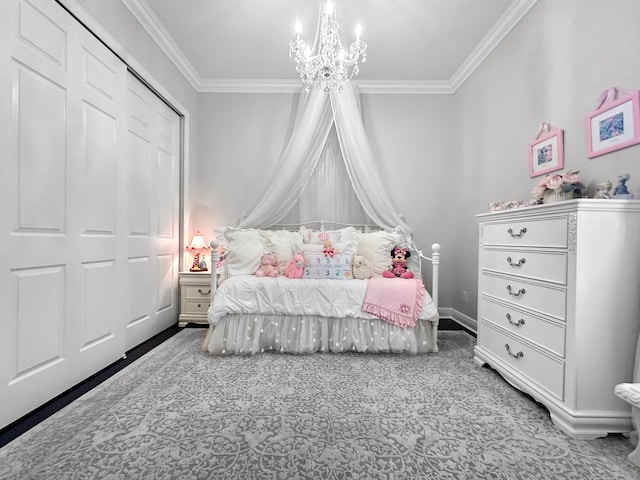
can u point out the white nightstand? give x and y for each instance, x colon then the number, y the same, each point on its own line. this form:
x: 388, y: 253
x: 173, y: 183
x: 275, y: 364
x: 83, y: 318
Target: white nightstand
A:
x: 195, y: 296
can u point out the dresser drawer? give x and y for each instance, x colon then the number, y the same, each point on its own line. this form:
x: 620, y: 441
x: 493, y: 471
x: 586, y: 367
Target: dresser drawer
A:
x: 549, y: 266
x: 196, y: 307
x: 549, y: 232
x: 197, y: 291
x: 544, y: 298
x: 537, y: 330
x: 546, y: 371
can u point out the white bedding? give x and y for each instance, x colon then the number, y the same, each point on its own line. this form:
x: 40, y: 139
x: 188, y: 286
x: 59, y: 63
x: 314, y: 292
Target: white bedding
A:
x: 248, y: 294
x: 251, y: 315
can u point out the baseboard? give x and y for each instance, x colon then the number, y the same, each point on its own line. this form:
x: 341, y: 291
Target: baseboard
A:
x: 465, y: 321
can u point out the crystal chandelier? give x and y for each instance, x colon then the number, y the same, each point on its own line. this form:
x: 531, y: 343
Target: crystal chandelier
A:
x: 326, y: 64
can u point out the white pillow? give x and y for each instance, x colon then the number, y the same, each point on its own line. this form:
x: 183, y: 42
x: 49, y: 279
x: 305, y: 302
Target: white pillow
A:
x: 281, y: 243
x: 344, y: 235
x: 244, y: 251
x: 376, y: 248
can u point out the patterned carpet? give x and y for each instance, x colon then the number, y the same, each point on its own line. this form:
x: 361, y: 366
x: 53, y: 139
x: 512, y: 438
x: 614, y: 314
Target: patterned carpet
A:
x: 180, y: 414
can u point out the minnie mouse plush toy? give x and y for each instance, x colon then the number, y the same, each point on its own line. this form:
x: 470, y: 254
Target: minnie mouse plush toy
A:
x: 399, y: 264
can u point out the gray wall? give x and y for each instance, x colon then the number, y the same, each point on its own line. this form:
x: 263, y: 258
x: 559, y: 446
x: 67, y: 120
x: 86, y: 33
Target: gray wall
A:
x: 552, y: 67
x: 242, y: 136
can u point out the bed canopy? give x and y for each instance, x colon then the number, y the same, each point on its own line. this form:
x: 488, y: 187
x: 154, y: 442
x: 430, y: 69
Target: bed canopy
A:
x: 327, y: 166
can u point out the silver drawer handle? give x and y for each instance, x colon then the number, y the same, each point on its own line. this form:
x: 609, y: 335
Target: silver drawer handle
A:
x: 517, y: 235
x: 518, y: 323
x: 514, y: 355
x: 204, y: 293
x: 522, y: 291
x: 521, y: 262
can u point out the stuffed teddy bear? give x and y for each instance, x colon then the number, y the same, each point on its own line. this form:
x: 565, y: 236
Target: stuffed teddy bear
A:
x: 295, y: 267
x: 361, y: 268
x: 268, y: 266
x: 398, y: 267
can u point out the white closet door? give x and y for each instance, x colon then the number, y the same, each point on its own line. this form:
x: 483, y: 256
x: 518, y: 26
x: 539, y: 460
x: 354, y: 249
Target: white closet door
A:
x: 152, y: 209
x: 62, y: 271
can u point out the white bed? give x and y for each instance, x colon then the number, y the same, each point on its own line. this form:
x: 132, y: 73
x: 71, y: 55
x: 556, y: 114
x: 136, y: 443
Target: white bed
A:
x: 251, y: 314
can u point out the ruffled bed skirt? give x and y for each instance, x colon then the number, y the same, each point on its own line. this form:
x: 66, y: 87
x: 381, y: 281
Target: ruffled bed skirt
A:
x: 252, y: 334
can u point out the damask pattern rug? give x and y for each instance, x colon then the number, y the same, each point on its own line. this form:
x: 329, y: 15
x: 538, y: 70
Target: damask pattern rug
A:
x: 178, y: 413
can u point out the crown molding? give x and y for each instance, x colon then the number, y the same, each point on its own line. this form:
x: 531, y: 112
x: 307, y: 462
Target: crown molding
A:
x: 249, y: 86
x: 295, y: 86
x: 145, y: 16
x: 507, y: 21
x: 404, y: 87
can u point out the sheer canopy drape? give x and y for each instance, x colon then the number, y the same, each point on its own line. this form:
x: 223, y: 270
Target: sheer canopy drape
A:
x: 325, y: 171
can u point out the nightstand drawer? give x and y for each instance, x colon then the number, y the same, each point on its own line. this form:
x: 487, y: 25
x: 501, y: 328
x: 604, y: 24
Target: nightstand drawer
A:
x: 195, y: 307
x: 539, y: 297
x: 548, y: 266
x: 537, y: 330
x: 197, y: 291
x: 549, y: 232
x: 543, y: 369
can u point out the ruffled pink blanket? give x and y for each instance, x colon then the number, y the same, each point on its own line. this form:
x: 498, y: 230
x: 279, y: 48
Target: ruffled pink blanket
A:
x: 395, y: 300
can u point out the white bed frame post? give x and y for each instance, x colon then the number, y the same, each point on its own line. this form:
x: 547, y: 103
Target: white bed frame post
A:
x: 435, y: 270
x: 435, y: 265
x: 214, y: 267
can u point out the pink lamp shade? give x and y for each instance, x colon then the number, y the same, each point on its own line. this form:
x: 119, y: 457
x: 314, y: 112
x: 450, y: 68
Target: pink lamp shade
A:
x: 197, y: 246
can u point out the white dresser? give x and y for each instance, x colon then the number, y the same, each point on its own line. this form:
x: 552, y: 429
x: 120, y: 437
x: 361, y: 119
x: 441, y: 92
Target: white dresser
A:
x: 559, y: 307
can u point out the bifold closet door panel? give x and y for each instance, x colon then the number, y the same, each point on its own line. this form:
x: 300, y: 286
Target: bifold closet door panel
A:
x: 62, y: 275
x: 152, y: 208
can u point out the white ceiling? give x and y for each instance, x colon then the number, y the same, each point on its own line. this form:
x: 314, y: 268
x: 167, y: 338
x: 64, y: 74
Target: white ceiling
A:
x: 425, y: 46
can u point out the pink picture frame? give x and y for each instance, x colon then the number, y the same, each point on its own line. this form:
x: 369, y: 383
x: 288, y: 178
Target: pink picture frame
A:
x: 546, y: 153
x: 614, y: 126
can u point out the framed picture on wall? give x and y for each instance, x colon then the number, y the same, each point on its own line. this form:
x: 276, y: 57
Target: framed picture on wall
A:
x: 614, y: 125
x: 546, y: 152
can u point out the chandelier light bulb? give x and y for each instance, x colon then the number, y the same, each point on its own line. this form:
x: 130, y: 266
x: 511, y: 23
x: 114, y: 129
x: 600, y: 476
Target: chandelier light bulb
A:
x: 298, y: 27
x: 329, y: 8
x: 358, y: 32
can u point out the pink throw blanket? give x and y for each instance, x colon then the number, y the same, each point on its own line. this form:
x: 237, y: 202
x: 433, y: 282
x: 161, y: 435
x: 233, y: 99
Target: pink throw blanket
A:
x: 395, y: 300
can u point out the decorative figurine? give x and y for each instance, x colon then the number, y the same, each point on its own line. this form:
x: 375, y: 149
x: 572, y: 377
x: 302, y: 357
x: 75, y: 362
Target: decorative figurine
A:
x: 203, y: 264
x: 603, y: 190
x: 621, y: 191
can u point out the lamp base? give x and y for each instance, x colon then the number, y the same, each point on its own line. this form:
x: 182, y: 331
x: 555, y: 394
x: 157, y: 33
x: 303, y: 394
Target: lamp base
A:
x: 193, y: 269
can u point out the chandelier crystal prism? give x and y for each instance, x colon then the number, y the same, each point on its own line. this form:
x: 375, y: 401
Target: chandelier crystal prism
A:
x: 327, y: 64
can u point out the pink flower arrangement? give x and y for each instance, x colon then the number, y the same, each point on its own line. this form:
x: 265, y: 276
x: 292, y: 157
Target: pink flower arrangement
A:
x: 566, y: 182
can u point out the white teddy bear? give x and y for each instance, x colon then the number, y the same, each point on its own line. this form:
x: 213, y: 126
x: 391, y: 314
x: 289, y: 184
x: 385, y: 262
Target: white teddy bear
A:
x: 361, y: 268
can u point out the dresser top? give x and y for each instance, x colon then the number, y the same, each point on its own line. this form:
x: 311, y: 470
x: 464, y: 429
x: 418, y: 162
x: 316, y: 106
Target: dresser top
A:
x: 581, y: 204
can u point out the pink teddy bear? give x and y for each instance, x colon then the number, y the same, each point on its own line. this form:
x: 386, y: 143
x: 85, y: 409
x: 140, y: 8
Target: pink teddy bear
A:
x: 268, y: 266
